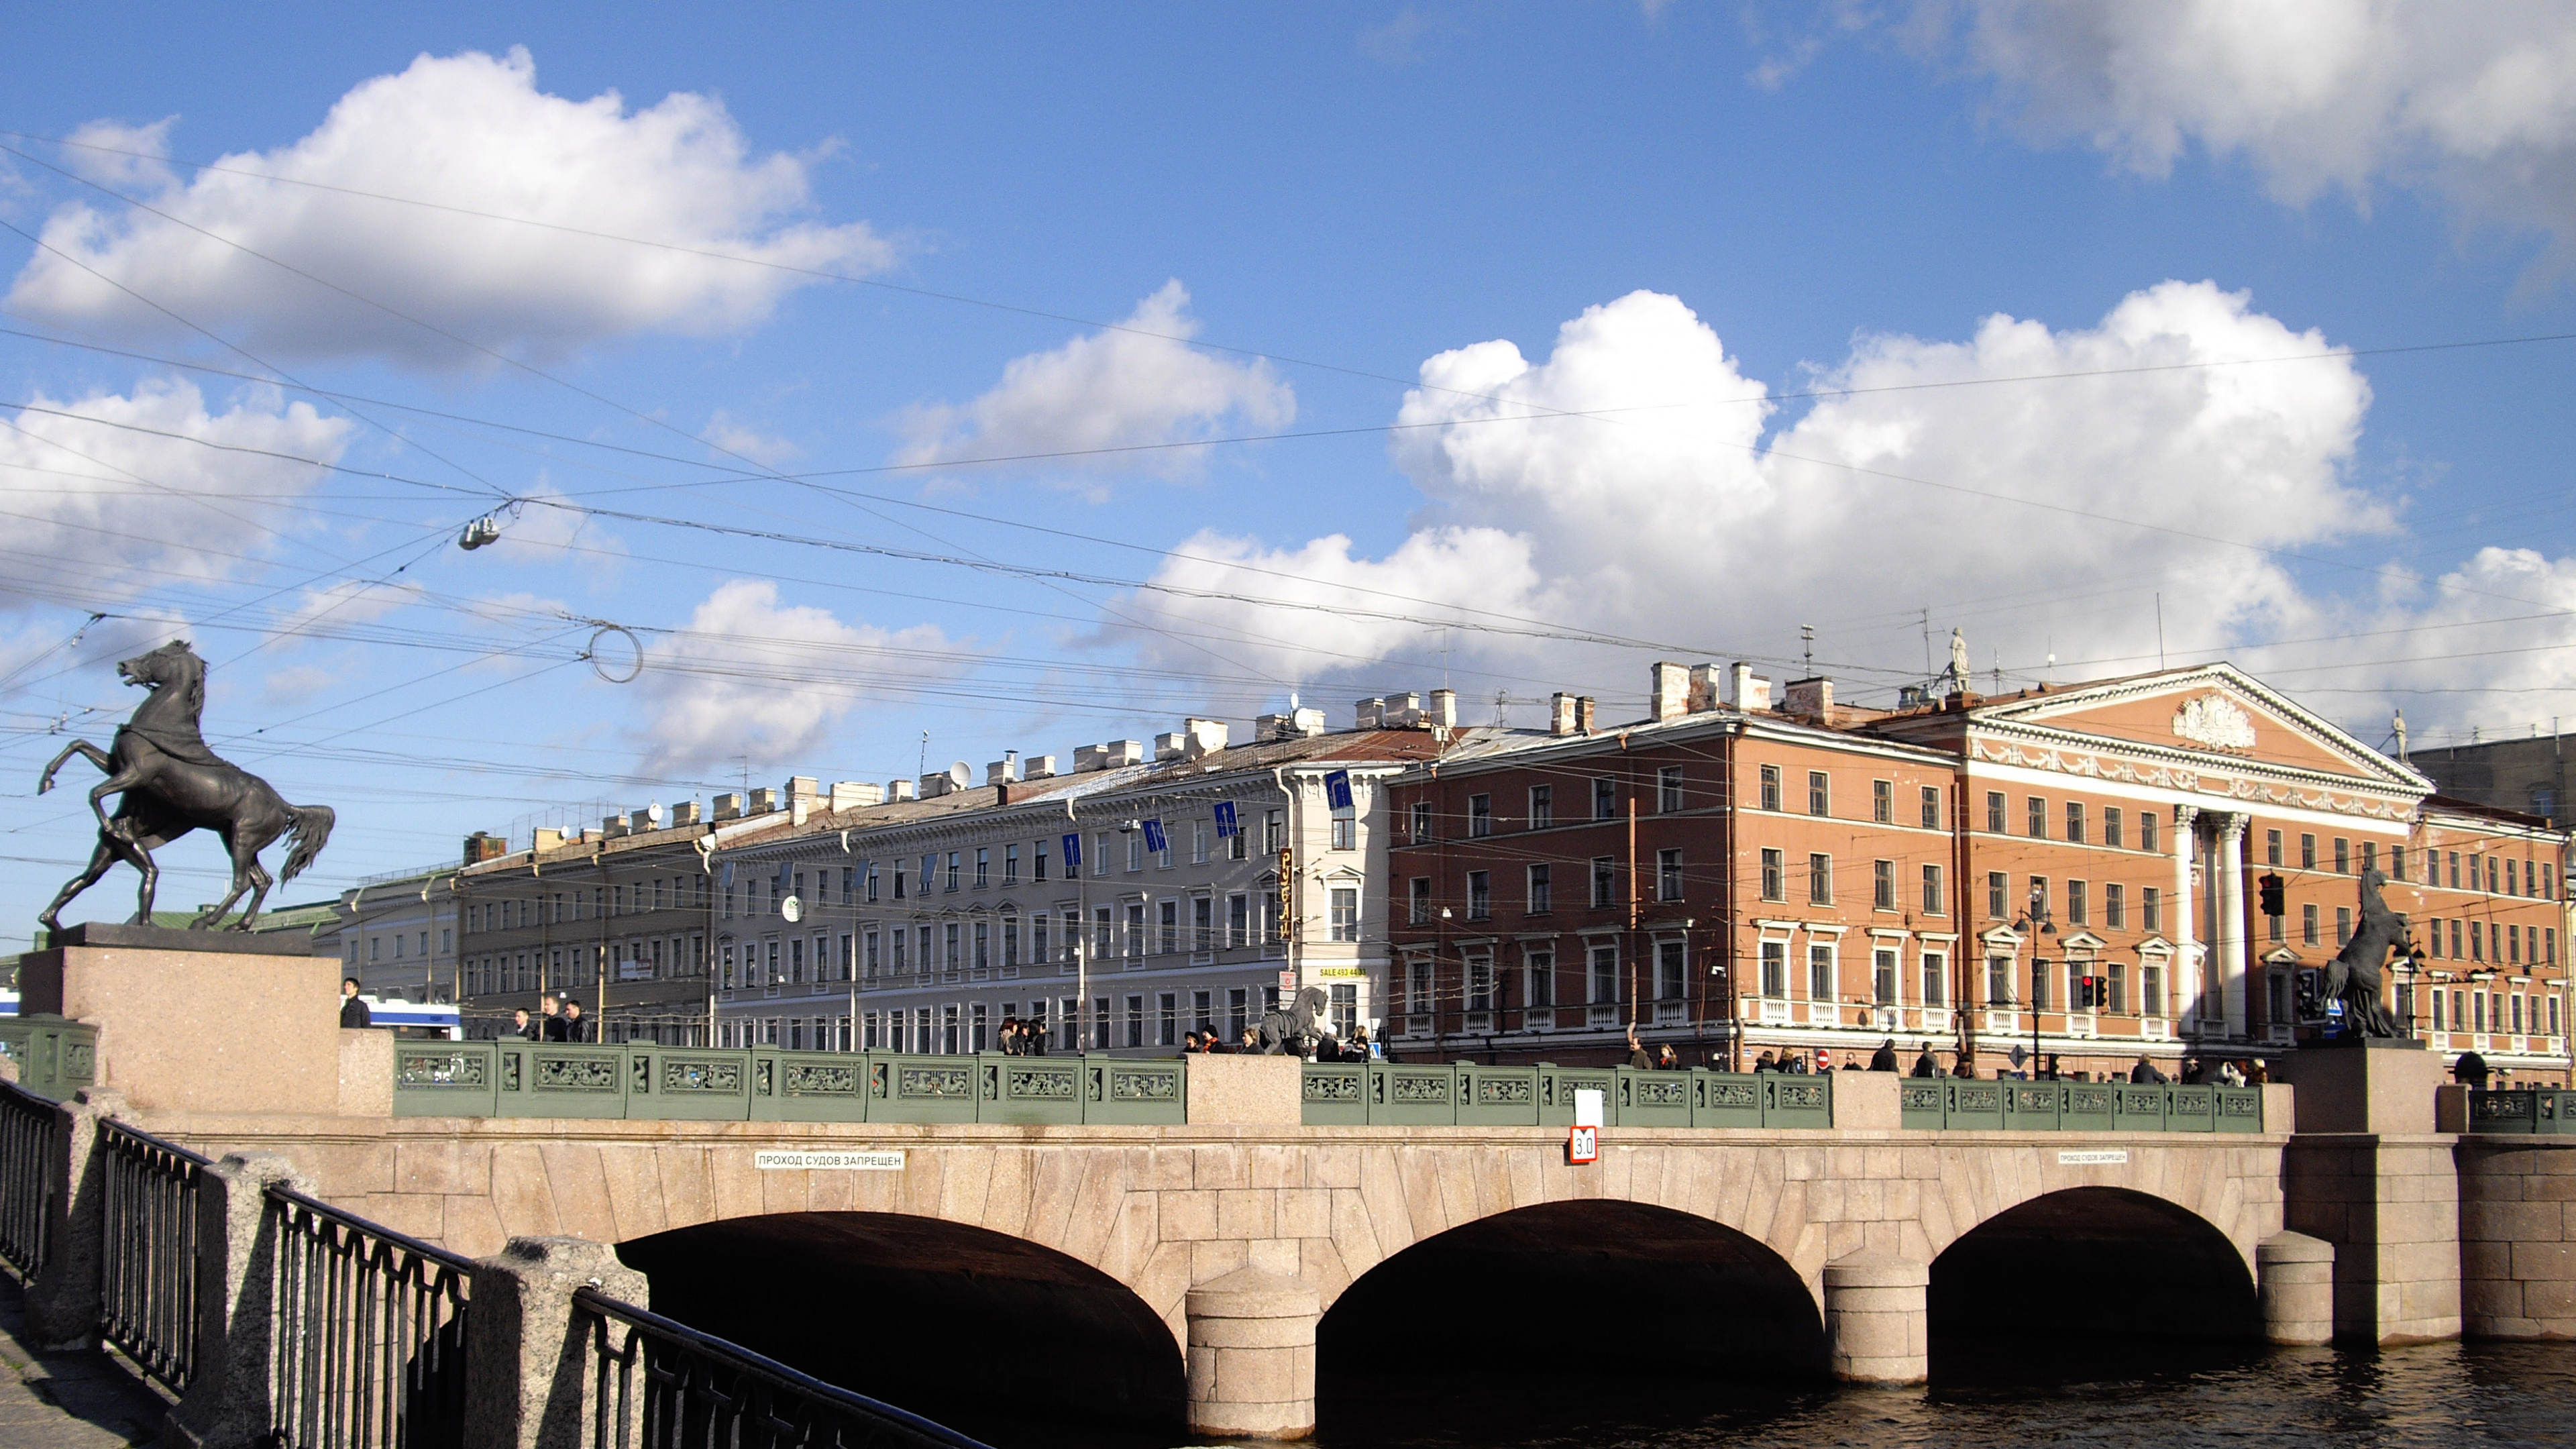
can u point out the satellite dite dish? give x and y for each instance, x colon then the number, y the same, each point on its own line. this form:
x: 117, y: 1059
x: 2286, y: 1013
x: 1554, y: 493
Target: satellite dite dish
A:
x: 653, y: 812
x: 793, y: 909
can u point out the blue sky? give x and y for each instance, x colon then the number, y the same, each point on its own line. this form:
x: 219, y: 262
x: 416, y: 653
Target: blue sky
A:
x: 1693, y: 324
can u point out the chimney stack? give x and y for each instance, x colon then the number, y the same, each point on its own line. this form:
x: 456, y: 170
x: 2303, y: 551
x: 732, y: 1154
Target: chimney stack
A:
x: 899, y: 790
x: 1204, y: 737
x: 1369, y: 714
x: 1670, y: 691
x: 1560, y: 714
x: 483, y: 845
x: 1583, y: 715
x: 1752, y: 691
x: 1444, y: 709
x: 1811, y: 699
x: 728, y: 806
x: 1703, y: 688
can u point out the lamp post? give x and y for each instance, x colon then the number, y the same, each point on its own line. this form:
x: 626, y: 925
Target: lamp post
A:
x: 2035, y: 924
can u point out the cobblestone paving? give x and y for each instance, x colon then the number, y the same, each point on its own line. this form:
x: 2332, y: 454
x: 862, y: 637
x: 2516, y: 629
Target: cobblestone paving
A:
x: 77, y: 1400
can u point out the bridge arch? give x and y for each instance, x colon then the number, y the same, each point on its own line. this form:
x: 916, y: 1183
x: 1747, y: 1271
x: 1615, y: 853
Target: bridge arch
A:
x: 925, y: 1313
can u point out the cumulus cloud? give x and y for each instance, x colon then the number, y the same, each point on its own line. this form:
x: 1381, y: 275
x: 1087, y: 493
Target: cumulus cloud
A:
x: 1137, y: 385
x: 109, y: 494
x: 1625, y: 485
x: 2477, y: 102
x: 741, y: 441
x: 468, y: 133
x: 750, y: 676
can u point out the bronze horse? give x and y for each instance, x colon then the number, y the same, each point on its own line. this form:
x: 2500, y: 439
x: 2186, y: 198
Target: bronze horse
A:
x: 172, y: 784
x: 2353, y: 976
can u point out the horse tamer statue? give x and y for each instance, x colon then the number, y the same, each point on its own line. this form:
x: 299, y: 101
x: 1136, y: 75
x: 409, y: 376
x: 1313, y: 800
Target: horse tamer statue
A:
x: 2353, y: 976
x: 172, y: 784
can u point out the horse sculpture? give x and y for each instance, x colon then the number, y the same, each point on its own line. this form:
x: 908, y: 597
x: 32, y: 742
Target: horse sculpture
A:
x: 1296, y: 1029
x: 2353, y: 976
x: 172, y: 784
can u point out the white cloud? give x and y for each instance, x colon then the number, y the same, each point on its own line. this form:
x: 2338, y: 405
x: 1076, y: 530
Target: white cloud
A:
x: 1668, y: 515
x: 741, y: 441
x: 1138, y: 385
x: 2476, y: 101
x: 473, y: 132
x: 350, y: 601
x: 749, y: 677
x: 98, y: 513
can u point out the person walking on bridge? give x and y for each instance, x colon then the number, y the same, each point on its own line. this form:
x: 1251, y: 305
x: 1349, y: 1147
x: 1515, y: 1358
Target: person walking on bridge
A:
x: 2145, y: 1074
x: 1925, y: 1065
x: 353, y: 1010
x: 1884, y: 1059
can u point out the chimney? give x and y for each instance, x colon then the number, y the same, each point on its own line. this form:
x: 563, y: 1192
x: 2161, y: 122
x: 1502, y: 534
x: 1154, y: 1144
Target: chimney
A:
x: 685, y: 813
x: 1444, y: 708
x: 899, y: 790
x: 482, y: 845
x: 1752, y: 691
x: 802, y: 787
x: 1040, y: 767
x: 613, y: 826
x: 728, y: 806
x: 1371, y: 713
x: 763, y: 800
x: 1123, y: 752
x: 1402, y: 711
x: 1308, y: 722
x: 1087, y: 758
x: 1811, y: 699
x: 1560, y: 714
x: 934, y: 786
x: 1583, y: 714
x: 1003, y: 771
x: 549, y: 838
x: 1205, y: 738
x: 1703, y: 688
x: 1272, y: 727
x: 1670, y: 691
x: 1171, y: 746
x: 854, y: 794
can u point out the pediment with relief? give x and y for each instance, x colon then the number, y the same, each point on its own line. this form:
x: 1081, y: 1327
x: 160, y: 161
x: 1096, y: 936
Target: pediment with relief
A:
x: 2216, y: 711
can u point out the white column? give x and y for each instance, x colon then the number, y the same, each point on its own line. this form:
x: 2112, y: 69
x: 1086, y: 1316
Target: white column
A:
x: 2231, y: 920
x: 2186, y: 914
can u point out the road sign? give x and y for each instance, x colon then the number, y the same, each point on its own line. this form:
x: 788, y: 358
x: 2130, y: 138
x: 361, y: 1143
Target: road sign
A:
x: 1287, y: 980
x: 1155, y: 840
x: 1225, y: 824
x: 1072, y: 853
x: 1582, y: 1145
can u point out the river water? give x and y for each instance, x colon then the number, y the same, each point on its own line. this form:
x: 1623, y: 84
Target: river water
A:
x: 2426, y: 1397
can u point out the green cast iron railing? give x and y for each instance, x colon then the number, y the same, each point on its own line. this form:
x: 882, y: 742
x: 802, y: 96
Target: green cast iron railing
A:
x: 1958, y: 1104
x: 2549, y: 1112
x: 56, y: 1057
x: 1467, y: 1094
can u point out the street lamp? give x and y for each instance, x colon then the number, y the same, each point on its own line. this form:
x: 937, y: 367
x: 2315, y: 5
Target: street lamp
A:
x: 2036, y: 923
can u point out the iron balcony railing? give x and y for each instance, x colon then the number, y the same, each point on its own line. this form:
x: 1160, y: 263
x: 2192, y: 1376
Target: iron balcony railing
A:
x: 148, y: 1260
x: 369, y: 1346
x: 661, y: 1385
x: 31, y: 1156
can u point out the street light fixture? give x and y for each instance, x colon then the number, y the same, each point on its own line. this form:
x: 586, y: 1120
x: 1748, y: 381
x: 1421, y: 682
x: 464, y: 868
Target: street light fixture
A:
x: 2035, y: 924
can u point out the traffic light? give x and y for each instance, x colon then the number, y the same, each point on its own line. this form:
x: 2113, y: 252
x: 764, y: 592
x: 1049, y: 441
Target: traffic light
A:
x: 2270, y: 886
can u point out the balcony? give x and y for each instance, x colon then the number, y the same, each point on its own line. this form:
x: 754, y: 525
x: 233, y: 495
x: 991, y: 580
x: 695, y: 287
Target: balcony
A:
x: 1672, y: 1013
x: 1601, y: 1016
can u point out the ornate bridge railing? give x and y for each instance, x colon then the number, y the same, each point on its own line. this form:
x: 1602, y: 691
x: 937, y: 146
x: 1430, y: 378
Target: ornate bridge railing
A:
x: 1465, y: 1094
x: 148, y: 1251
x: 369, y: 1346
x: 662, y: 1385
x: 2545, y: 1113
x: 1966, y: 1104
x: 31, y: 1167
x: 56, y: 1056
x: 645, y: 1080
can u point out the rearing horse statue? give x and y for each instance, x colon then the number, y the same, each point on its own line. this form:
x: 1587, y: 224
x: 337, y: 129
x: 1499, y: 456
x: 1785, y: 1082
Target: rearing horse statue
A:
x: 172, y: 784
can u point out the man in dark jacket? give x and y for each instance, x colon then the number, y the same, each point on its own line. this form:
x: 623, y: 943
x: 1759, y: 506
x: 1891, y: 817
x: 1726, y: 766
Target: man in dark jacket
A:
x: 353, y: 1011
x: 1884, y: 1059
x: 574, y: 1028
x: 550, y: 1024
x: 2145, y: 1073
x: 1637, y: 1052
x: 1924, y: 1064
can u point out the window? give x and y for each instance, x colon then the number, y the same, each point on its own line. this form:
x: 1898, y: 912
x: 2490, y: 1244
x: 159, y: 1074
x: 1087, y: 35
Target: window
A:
x: 2115, y: 906
x: 2307, y: 852
x: 2308, y: 925
x: 1538, y: 977
x: 1882, y: 801
x: 2147, y: 831
x: 2343, y: 856
x: 983, y: 946
x: 1037, y: 866
x: 1541, y: 893
x: 1931, y: 807
x: 2111, y: 823
x: 1136, y: 850
x: 1274, y: 831
x: 2079, y: 902
x: 1421, y: 820
x: 1672, y: 970
x: 1605, y: 799
x: 2369, y: 856
x: 1198, y: 842
x: 1775, y: 968
x: 2151, y: 908
x: 2397, y: 862
x: 1770, y: 787
x: 1882, y: 885
x: 1999, y: 981
x: 1169, y: 919
x: 1542, y: 807
x: 952, y: 871
x: 1480, y: 896
x: 1238, y: 919
x: 1932, y: 903
x: 1480, y: 983
x: 1346, y: 913
x: 2038, y: 812
x: 2039, y: 897
x: 1995, y: 891
x: 1936, y: 973
x: 2271, y: 847
x: 983, y: 867
x: 1819, y: 794
x: 1203, y: 923
x: 2075, y: 821
x: 1668, y: 875
x: 1820, y: 879
x: 1994, y: 812
x: 1601, y: 977
x: 1419, y: 901
x: 1605, y: 875
x: 2455, y: 870
x: 1820, y: 972
x: 1774, y: 873
x: 1668, y: 790
x: 1237, y: 845
x: 1480, y: 816
x: 1103, y: 934
x: 1346, y: 833
x: 1882, y: 976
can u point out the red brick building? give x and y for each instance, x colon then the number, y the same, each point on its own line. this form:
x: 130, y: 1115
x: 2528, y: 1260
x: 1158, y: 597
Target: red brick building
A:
x: 2079, y: 871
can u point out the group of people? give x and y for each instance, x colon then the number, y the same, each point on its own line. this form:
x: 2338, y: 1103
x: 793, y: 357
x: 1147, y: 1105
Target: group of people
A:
x: 1021, y: 1038
x: 1327, y: 1047
x: 560, y: 1019
x: 2196, y: 1072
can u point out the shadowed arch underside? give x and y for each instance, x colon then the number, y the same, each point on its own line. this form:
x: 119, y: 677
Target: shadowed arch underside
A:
x: 991, y: 1333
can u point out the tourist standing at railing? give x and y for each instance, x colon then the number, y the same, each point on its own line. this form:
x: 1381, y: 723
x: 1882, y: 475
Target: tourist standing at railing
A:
x: 551, y: 1025
x: 2470, y: 1070
x: 2145, y: 1073
x: 1637, y: 1056
x: 1884, y: 1059
x: 2256, y: 1073
x: 1925, y: 1064
x: 1666, y: 1059
x: 574, y: 1028
x: 523, y: 1028
x: 2230, y: 1075
x: 353, y: 1009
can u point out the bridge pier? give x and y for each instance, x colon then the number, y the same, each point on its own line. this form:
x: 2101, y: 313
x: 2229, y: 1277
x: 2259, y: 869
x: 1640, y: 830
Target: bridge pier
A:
x: 1878, y: 1319
x: 1252, y: 1355
x: 2295, y: 1274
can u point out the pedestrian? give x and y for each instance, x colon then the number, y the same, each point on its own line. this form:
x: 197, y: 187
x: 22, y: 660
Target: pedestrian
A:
x: 1884, y: 1059
x: 1637, y: 1056
x: 1666, y: 1060
x: 551, y: 1027
x: 1965, y: 1066
x: 1361, y: 1048
x: 2193, y: 1073
x: 1764, y: 1063
x: 2256, y: 1073
x: 574, y: 1028
x: 1033, y: 1038
x: 2470, y: 1070
x: 520, y: 1027
x: 1924, y: 1063
x: 2229, y: 1074
x: 353, y: 1009
x: 1798, y: 1063
x: 1251, y: 1041
x: 2145, y: 1074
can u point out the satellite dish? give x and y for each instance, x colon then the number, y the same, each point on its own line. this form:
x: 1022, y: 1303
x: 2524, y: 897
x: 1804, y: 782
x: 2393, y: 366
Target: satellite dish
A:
x: 960, y: 775
x: 653, y: 812
x: 793, y: 909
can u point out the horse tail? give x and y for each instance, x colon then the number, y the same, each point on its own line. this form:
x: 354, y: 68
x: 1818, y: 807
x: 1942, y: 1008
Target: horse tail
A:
x: 310, y: 832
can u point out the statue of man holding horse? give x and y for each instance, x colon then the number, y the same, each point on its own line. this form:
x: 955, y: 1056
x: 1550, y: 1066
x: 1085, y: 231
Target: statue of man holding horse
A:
x: 170, y: 784
x: 2353, y: 977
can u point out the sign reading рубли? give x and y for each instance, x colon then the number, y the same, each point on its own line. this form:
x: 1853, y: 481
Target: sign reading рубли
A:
x: 828, y: 1161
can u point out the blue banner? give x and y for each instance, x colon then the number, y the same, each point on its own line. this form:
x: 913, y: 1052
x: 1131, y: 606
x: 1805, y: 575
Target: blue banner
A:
x: 1155, y: 840
x: 1224, y: 819
x: 1337, y: 789
x: 1072, y: 853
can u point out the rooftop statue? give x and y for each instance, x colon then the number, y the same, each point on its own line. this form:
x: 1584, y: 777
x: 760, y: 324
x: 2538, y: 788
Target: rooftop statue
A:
x: 2353, y: 976
x: 172, y: 784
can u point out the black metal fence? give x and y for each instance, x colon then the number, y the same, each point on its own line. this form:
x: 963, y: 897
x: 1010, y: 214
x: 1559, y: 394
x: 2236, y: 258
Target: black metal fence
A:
x: 30, y: 1171
x: 369, y: 1350
x: 662, y: 1385
x: 148, y: 1255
